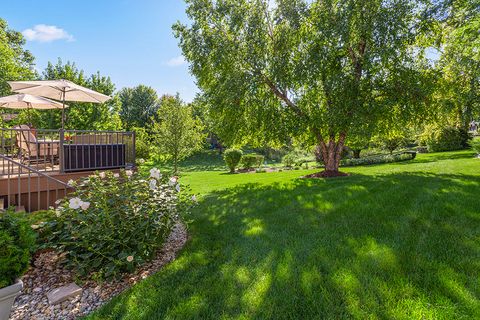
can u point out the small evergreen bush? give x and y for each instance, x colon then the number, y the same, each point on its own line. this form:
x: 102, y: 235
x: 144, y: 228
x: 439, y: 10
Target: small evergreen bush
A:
x: 232, y: 158
x: 251, y: 161
x: 115, y: 222
x: 17, y: 243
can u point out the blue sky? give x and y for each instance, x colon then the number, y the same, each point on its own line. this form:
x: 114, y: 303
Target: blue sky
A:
x: 130, y: 41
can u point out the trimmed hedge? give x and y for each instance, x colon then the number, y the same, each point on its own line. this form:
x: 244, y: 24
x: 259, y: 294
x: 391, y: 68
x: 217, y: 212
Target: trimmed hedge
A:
x: 252, y: 161
x: 232, y: 158
x: 388, y: 158
x: 17, y: 243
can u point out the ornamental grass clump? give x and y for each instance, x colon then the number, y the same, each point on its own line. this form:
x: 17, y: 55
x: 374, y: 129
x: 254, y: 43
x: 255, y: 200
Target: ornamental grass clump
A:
x: 115, y: 222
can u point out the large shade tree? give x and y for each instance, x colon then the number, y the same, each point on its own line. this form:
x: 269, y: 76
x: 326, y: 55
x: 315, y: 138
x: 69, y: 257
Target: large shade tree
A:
x: 457, y: 38
x: 313, y: 70
x: 138, y: 105
x: 16, y: 63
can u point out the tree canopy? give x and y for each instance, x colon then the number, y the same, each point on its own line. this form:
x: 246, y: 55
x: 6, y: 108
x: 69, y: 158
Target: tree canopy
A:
x: 314, y: 70
x: 178, y: 133
x: 16, y: 63
x: 138, y: 105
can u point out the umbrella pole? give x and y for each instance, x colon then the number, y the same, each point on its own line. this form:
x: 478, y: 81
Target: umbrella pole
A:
x: 63, y: 110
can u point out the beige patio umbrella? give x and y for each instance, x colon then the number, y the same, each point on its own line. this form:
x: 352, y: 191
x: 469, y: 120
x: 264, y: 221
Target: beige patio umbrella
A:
x: 62, y: 90
x: 27, y: 101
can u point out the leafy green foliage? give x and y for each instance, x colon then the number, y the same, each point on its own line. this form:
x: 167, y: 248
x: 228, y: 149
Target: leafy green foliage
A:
x: 112, y: 224
x: 297, y: 157
x: 143, y: 143
x: 138, y: 105
x: 311, y: 70
x: 475, y: 144
x: 232, y: 158
x: 16, y: 63
x: 17, y: 242
x: 177, y: 133
x: 290, y: 159
x: 388, y: 158
x: 438, y: 138
x: 252, y: 161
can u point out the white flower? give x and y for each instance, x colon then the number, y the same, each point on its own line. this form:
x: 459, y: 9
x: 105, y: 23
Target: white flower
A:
x: 172, y: 181
x: 75, y: 203
x: 116, y: 175
x: 58, y: 202
x: 58, y: 213
x: 102, y: 175
x: 141, y: 161
x: 85, y: 205
x: 71, y: 183
x: 130, y: 258
x: 155, y: 173
x: 177, y: 187
x: 129, y: 173
x: 34, y: 226
x: 153, y: 184
x: 194, y: 198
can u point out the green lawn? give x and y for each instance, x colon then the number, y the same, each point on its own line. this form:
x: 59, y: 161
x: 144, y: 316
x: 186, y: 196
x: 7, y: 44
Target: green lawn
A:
x: 394, y: 241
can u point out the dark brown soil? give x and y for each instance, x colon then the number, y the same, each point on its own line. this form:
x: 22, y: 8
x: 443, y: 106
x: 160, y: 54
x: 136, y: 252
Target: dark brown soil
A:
x: 326, y: 174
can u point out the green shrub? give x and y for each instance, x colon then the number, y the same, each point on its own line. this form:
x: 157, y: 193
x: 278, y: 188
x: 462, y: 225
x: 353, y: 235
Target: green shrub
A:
x: 17, y: 243
x: 251, y: 161
x: 378, y: 159
x: 232, y: 158
x: 475, y: 144
x: 439, y: 139
x: 113, y: 223
x: 289, y: 160
x: 143, y: 144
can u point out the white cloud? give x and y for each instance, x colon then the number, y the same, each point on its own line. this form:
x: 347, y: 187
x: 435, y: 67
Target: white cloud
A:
x: 44, y: 33
x: 175, y: 62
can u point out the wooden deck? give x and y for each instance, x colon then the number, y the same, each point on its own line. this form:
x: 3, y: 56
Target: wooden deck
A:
x: 34, y: 192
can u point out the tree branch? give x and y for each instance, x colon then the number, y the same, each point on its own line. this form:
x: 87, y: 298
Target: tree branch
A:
x: 283, y: 97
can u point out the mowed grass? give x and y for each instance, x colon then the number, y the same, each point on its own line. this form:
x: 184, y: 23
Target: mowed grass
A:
x: 395, y: 241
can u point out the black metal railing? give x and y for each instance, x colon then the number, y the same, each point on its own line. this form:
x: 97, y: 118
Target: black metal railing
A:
x: 67, y: 150
x: 28, y: 189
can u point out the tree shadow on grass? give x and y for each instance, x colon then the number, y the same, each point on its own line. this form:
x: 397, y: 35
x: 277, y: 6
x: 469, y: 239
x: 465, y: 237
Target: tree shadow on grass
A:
x: 394, y: 246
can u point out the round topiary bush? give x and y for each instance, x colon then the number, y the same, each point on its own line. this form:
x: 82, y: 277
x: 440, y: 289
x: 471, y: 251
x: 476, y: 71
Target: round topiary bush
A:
x: 115, y: 222
x: 232, y: 158
x: 17, y: 243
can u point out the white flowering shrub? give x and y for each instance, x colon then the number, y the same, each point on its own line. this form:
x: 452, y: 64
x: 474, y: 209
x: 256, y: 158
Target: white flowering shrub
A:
x: 114, y: 222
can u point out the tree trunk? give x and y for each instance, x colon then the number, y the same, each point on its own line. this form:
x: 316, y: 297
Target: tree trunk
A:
x: 332, y: 153
x: 356, y: 153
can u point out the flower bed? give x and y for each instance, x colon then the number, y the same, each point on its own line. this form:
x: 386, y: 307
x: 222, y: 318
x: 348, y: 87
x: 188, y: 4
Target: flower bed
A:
x: 114, y: 222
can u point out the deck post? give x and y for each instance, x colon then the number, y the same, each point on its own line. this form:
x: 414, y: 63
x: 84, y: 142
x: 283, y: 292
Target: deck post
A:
x: 60, y: 152
x: 133, y: 147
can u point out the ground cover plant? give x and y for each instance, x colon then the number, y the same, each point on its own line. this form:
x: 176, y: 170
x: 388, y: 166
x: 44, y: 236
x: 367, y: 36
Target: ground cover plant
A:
x: 399, y: 241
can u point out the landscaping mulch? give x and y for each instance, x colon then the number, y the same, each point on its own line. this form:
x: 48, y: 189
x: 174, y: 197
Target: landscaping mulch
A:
x: 47, y: 274
x: 326, y: 174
